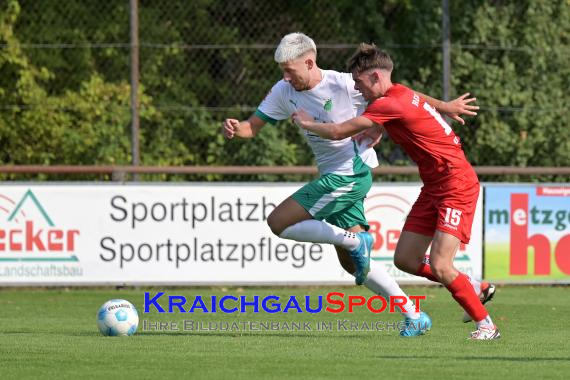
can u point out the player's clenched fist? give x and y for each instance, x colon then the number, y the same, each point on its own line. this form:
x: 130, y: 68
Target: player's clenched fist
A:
x: 230, y: 127
x: 300, y: 117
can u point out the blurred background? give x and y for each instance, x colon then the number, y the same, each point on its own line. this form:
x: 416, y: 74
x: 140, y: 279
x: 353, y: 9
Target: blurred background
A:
x: 66, y: 73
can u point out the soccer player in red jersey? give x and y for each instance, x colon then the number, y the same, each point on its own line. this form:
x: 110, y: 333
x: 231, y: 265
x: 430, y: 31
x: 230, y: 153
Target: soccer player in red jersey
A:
x: 443, y: 213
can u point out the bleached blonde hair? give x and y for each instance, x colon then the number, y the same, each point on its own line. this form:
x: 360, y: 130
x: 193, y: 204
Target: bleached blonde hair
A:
x: 293, y: 46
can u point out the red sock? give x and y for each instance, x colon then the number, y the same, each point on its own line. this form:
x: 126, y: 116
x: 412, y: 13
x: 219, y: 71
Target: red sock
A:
x: 425, y: 271
x: 463, y: 292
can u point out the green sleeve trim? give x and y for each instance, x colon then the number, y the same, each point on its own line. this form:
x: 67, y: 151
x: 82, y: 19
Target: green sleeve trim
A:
x: 264, y: 117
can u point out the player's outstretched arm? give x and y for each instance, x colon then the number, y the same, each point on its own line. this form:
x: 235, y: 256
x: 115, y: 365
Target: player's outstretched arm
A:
x: 461, y: 106
x: 332, y: 131
x: 454, y: 108
x: 370, y: 136
x: 245, y: 129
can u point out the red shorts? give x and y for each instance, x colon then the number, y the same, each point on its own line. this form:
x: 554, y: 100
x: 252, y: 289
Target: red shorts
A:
x: 448, y: 207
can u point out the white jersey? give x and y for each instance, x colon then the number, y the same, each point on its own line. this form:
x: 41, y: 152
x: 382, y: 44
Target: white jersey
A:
x: 333, y: 100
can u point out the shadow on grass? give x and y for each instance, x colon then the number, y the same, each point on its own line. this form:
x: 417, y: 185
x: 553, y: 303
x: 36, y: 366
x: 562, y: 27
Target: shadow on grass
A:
x: 478, y: 358
x: 227, y: 334
x: 254, y: 334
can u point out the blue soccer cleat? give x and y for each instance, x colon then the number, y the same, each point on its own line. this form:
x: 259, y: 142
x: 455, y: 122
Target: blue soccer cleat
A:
x: 361, y: 257
x: 416, y: 327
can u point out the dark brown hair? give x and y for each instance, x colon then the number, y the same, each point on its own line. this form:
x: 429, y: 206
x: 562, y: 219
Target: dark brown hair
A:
x: 367, y: 57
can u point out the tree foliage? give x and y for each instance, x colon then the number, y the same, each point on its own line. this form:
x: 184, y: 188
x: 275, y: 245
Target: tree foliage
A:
x: 72, y: 105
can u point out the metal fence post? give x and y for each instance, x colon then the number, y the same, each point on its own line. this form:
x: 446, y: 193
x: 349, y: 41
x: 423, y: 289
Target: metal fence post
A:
x: 446, y: 46
x: 135, y: 121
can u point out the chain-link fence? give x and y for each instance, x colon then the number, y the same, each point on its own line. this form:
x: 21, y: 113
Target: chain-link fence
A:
x: 73, y: 39
x: 203, y: 60
x: 212, y: 54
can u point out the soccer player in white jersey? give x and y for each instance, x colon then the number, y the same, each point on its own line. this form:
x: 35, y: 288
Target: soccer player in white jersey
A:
x: 330, y: 208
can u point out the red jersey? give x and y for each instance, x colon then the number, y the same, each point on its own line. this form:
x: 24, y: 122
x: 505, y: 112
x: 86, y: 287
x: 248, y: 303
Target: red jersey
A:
x: 422, y: 132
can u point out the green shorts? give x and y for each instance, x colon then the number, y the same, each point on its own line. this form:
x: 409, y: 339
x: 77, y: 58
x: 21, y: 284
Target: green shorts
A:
x: 338, y: 199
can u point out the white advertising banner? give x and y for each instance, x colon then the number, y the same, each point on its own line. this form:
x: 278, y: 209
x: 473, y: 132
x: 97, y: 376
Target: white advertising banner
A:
x: 187, y: 234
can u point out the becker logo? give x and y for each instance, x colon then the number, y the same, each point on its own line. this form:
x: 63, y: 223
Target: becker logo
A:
x: 28, y: 233
x: 386, y: 213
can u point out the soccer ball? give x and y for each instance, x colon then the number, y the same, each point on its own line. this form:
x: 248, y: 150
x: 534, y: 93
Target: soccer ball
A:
x: 117, y: 318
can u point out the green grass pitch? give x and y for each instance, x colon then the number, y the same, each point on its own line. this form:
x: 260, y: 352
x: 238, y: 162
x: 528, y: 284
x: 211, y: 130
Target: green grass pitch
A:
x: 52, y: 334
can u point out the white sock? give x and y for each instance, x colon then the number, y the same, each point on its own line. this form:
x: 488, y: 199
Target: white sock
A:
x: 487, y: 322
x: 476, y: 284
x: 381, y: 283
x: 317, y: 231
